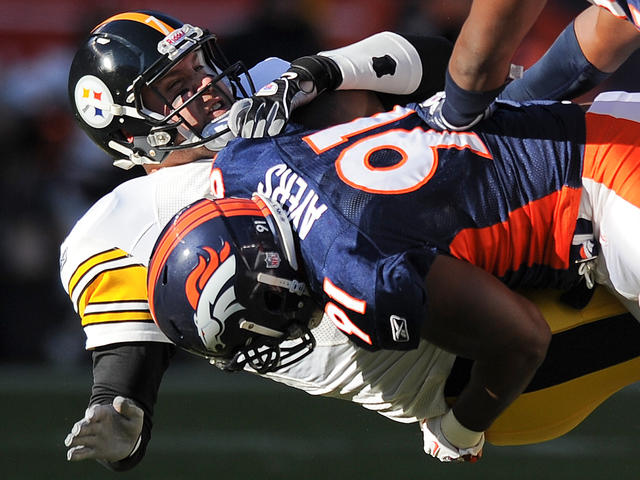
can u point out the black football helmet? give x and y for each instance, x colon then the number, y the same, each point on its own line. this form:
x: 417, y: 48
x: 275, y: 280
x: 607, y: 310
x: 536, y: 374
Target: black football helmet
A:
x: 224, y: 283
x: 128, y: 52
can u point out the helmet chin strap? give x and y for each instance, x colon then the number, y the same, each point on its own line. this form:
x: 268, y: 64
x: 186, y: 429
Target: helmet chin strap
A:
x: 294, y: 286
x: 132, y: 157
x: 261, y: 329
x: 217, y: 130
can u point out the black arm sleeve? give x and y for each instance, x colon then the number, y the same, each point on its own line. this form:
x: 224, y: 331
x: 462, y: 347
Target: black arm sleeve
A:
x: 434, y: 53
x: 133, y: 370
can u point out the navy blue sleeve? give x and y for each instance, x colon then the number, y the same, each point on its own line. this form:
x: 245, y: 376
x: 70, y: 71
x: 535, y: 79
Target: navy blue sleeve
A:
x: 562, y: 73
x: 401, y: 299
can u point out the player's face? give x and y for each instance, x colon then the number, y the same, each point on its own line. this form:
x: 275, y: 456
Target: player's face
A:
x: 183, y: 81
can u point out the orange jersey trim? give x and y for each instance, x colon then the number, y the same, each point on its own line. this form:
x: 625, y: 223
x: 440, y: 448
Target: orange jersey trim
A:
x: 613, y: 140
x: 527, y: 231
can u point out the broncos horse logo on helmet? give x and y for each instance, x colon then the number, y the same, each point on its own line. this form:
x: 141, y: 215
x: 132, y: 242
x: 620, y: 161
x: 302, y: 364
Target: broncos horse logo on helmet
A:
x: 129, y: 53
x: 224, y: 283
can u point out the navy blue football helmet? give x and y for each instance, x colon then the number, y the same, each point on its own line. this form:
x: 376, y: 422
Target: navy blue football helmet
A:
x: 224, y: 283
x: 128, y: 53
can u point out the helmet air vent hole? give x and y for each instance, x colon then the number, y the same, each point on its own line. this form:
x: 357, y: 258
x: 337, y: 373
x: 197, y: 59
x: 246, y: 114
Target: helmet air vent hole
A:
x: 272, y: 301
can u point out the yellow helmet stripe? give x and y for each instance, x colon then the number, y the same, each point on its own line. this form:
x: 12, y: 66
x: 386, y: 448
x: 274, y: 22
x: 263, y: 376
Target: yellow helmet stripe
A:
x: 149, y: 20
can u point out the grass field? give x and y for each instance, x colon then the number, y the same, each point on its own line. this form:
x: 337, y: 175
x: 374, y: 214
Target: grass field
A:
x: 214, y: 425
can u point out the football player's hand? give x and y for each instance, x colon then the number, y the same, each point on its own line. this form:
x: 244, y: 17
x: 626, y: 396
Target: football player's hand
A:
x: 107, y: 432
x: 266, y: 113
x: 433, y: 116
x: 436, y: 444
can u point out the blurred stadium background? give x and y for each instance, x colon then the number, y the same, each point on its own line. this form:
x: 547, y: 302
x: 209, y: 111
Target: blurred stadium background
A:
x: 208, y: 423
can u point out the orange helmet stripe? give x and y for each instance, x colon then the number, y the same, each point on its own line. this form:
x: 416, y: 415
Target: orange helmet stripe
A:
x: 197, y: 215
x: 173, y: 236
x: 144, y: 18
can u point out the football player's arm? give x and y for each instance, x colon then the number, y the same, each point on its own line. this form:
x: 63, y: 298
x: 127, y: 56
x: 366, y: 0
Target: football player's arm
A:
x: 116, y: 433
x: 588, y: 50
x: 402, y: 68
x: 474, y: 315
x: 481, y: 57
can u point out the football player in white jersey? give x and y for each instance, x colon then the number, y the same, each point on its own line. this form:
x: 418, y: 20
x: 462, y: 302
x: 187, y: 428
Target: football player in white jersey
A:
x: 103, y: 260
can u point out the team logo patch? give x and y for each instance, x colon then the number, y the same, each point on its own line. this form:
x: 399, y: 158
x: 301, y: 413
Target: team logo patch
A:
x: 210, y: 292
x: 93, y: 101
x: 399, y: 329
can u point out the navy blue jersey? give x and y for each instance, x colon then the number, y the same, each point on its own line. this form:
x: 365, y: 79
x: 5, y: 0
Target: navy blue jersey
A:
x: 375, y: 200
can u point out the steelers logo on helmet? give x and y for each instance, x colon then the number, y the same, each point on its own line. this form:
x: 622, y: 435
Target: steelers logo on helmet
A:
x: 93, y: 101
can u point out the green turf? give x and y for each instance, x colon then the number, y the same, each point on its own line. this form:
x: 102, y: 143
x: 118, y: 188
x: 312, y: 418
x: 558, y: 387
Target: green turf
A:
x: 214, y: 425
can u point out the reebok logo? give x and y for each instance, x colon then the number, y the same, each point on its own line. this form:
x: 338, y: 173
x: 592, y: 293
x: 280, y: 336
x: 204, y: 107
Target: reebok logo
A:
x: 399, y: 329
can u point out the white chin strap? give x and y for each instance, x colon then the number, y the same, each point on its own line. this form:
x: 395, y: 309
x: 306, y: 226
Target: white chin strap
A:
x: 260, y: 329
x: 292, y: 286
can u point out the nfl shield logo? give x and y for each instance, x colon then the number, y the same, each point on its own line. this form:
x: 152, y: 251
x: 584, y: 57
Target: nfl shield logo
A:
x: 272, y: 259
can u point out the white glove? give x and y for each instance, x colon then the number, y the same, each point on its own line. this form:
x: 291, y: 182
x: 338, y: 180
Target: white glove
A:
x: 437, y: 445
x: 107, y: 432
x: 266, y: 113
x: 432, y: 115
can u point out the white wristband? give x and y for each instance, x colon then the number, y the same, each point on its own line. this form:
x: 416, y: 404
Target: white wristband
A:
x: 457, y: 434
x: 355, y: 62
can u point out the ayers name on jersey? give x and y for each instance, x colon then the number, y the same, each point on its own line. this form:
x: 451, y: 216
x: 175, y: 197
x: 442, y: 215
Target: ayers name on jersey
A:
x: 375, y: 200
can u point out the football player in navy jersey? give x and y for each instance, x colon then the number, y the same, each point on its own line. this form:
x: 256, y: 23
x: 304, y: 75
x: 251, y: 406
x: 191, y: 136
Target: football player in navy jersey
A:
x: 403, y: 233
x: 144, y: 86
x: 119, y: 331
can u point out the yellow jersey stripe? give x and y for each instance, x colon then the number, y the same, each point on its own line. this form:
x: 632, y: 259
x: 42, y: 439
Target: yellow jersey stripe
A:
x: 110, y: 317
x: 124, y: 284
x: 88, y: 264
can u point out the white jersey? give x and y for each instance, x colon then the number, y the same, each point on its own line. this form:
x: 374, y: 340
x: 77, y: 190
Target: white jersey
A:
x: 103, y: 260
x: 405, y: 386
